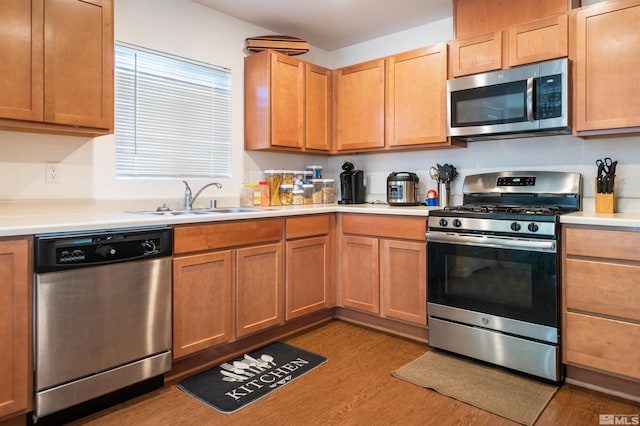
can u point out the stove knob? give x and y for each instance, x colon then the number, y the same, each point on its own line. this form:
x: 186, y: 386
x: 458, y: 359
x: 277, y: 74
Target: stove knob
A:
x: 515, y: 226
x: 457, y: 223
x: 443, y: 222
x: 533, y: 227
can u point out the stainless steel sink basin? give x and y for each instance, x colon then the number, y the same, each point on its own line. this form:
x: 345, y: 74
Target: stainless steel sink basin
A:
x: 199, y: 211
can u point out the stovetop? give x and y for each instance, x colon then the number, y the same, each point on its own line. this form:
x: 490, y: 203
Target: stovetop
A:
x: 511, y: 203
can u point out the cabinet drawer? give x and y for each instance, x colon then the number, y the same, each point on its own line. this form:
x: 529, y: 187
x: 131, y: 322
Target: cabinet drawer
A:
x: 602, y: 243
x: 306, y: 226
x: 408, y: 228
x: 605, y: 288
x: 226, y: 234
x: 603, y: 344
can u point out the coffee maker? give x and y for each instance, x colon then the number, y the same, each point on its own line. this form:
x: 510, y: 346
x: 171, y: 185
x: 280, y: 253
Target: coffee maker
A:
x: 351, y: 185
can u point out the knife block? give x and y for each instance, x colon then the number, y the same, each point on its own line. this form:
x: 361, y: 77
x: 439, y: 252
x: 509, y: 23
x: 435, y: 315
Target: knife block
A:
x: 605, y: 203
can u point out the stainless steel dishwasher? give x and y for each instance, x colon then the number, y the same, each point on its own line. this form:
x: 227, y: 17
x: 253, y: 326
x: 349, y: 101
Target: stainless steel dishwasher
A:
x: 102, y: 313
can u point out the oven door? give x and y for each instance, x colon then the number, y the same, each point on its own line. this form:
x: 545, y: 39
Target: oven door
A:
x: 503, y: 277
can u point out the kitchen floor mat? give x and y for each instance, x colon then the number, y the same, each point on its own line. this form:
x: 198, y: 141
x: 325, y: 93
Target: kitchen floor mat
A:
x: 515, y: 397
x: 237, y: 383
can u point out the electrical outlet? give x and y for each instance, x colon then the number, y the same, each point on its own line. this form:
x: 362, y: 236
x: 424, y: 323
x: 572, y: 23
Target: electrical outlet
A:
x: 52, y: 172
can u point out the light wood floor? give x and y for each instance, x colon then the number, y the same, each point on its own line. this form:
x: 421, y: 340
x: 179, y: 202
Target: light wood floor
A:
x: 354, y: 387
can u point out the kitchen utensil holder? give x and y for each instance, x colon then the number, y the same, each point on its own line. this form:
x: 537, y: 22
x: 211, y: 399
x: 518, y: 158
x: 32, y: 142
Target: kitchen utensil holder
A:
x: 443, y: 196
x: 605, y: 203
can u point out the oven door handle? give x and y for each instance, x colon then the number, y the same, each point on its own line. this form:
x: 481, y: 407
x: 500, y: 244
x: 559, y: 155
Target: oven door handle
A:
x: 492, y: 242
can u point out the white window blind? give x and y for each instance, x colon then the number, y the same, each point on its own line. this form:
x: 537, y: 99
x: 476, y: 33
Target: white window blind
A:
x: 173, y: 116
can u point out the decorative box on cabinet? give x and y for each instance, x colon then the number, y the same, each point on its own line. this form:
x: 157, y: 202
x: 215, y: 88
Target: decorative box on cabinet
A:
x: 58, y: 76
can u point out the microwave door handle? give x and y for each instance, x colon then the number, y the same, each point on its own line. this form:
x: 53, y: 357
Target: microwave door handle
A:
x: 530, y: 99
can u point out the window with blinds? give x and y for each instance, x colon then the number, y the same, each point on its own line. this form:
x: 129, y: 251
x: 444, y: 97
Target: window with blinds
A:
x: 173, y: 116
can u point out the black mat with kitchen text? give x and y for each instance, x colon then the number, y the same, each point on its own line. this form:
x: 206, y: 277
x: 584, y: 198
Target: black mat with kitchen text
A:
x: 236, y: 383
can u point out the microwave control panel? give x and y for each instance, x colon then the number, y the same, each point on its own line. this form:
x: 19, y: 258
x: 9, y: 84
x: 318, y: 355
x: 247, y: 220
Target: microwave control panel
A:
x: 549, y: 91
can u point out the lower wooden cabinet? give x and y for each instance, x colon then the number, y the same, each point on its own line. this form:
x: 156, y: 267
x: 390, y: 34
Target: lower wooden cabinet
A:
x: 382, y: 273
x: 601, y: 320
x: 403, y: 280
x: 310, y: 264
x: 228, y: 282
x: 259, y: 288
x: 202, y: 301
x: 15, y: 326
x: 360, y: 273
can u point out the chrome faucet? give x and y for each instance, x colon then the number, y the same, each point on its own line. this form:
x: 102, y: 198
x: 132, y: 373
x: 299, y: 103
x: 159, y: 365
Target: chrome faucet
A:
x: 189, y: 199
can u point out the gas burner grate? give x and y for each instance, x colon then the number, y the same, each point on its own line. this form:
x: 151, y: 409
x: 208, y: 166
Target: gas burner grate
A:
x: 514, y: 210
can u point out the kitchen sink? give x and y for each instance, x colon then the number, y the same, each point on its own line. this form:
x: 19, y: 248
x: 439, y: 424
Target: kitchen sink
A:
x: 199, y: 211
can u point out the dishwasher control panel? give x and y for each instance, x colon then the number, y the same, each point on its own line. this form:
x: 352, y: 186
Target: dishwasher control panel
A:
x: 64, y: 251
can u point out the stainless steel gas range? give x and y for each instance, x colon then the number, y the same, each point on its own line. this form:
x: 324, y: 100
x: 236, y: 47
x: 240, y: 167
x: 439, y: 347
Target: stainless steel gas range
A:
x: 493, y: 270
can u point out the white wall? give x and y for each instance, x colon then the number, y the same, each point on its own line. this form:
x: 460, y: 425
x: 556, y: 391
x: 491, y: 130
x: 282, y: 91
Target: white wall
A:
x: 87, y: 166
x: 191, y: 30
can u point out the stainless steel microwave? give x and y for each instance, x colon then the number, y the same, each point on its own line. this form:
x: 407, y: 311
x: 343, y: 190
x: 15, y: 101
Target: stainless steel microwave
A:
x: 525, y: 101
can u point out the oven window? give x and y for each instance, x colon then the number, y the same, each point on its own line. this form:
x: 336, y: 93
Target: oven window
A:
x: 515, y: 284
x: 484, y: 280
x: 497, y: 104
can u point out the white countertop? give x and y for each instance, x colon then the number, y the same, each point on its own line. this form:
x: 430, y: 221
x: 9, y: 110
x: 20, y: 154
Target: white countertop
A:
x: 40, y: 220
x: 82, y: 216
x: 602, y: 219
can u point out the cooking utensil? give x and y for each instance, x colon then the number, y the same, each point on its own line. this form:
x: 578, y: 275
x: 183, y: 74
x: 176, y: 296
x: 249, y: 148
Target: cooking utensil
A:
x: 433, y: 172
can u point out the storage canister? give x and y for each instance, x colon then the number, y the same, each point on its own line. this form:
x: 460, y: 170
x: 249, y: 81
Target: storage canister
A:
x: 265, y: 195
x: 286, y: 194
x: 307, y: 189
x: 317, y: 191
x: 298, y: 197
x: 316, y: 170
x: 274, y: 180
x: 287, y: 177
x: 328, y: 191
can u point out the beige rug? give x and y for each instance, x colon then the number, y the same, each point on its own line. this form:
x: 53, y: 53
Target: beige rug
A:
x: 512, y: 396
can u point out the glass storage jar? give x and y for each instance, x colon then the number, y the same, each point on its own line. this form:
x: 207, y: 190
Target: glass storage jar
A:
x: 274, y: 180
x: 298, y: 197
x: 286, y: 194
x: 307, y: 189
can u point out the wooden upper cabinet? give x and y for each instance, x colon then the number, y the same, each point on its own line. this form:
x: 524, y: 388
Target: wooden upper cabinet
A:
x: 287, y: 101
x: 59, y: 72
x: 78, y: 56
x: 539, y: 40
x: 416, y: 97
x: 520, y: 44
x: 21, y: 67
x: 359, y: 106
x: 475, y: 17
x: 287, y: 104
x: 607, y: 60
x: 477, y: 54
x: 318, y: 108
